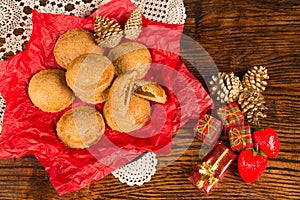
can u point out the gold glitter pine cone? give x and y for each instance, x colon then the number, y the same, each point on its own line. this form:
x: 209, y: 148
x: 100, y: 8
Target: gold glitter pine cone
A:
x: 108, y: 33
x: 252, y: 104
x: 255, y: 78
x: 226, y: 87
x: 133, y: 26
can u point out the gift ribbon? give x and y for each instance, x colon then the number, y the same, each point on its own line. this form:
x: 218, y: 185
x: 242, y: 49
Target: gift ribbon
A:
x: 209, y: 170
x: 237, y: 137
x: 207, y: 120
x: 231, y: 116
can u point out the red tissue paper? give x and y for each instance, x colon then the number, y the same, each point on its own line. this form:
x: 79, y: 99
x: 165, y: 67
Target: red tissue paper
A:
x: 27, y: 130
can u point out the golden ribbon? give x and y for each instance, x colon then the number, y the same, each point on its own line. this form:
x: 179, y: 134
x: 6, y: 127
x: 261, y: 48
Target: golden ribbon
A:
x: 209, y: 173
x: 209, y: 170
x: 237, y: 137
x: 231, y: 115
x: 207, y: 120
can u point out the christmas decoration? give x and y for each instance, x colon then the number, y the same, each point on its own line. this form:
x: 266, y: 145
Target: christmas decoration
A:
x: 240, y: 137
x: 253, y: 106
x: 267, y: 141
x: 108, y: 33
x: 231, y: 115
x: 208, y: 129
x: 212, y: 167
x: 226, y: 87
x: 133, y: 26
x: 255, y: 78
x: 251, y: 164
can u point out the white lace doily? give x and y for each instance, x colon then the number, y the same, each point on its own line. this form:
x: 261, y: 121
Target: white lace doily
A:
x: 139, y: 171
x: 2, y: 110
x: 16, y: 24
x: 167, y: 11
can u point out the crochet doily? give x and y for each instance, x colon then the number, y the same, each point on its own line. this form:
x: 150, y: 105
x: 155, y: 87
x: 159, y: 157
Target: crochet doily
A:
x: 167, y: 11
x: 2, y: 109
x: 139, y: 171
x: 16, y: 24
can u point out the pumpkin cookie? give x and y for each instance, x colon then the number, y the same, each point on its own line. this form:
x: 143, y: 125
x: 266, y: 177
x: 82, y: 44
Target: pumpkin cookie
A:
x: 129, y: 56
x: 74, y: 43
x: 49, y: 91
x: 123, y: 111
x: 89, y: 75
x: 80, y: 127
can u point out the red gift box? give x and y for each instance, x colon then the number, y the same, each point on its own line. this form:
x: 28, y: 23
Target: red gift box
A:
x: 208, y: 129
x: 212, y: 168
x: 231, y: 115
x: 240, y: 137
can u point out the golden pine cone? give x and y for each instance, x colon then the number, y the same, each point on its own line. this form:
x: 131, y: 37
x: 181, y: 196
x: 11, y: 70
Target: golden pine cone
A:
x: 255, y: 78
x: 108, y: 33
x: 226, y: 87
x: 133, y: 26
x: 252, y: 104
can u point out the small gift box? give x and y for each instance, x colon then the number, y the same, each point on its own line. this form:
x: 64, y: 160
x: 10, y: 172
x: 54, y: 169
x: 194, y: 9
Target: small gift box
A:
x: 231, y: 115
x: 208, y: 129
x: 212, y: 167
x: 240, y: 137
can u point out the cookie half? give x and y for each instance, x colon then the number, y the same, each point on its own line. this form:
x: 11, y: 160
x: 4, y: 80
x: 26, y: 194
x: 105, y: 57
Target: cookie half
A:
x: 150, y: 91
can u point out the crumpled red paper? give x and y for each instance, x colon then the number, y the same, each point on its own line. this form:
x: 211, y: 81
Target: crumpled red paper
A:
x: 27, y: 130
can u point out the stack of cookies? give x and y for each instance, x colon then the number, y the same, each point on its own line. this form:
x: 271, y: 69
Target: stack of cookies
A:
x: 94, y: 78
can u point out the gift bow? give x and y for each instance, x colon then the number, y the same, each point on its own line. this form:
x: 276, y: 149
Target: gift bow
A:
x: 209, y: 173
x: 209, y: 170
x: 207, y: 120
x: 237, y: 137
x: 231, y: 116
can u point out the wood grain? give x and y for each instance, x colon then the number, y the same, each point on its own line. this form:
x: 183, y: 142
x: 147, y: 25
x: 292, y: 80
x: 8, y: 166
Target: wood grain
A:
x: 237, y: 35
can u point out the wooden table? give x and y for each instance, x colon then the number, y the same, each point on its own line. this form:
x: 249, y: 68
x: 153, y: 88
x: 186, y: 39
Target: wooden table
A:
x: 237, y: 35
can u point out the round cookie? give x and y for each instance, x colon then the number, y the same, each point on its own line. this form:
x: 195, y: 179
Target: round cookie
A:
x: 80, y: 127
x: 89, y: 76
x: 123, y: 111
x: 49, y: 91
x: 72, y: 44
x: 129, y: 56
x: 138, y: 113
